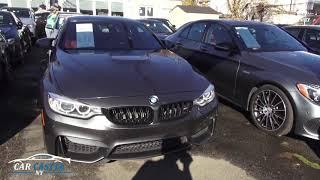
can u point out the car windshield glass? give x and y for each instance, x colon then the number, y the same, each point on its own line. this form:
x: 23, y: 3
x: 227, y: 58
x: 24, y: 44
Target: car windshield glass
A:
x: 108, y: 35
x: 158, y: 27
x: 21, y: 13
x: 268, y: 38
x: 5, y: 19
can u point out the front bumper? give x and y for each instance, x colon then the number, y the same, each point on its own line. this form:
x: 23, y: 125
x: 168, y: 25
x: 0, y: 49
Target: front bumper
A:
x: 307, y: 117
x: 109, y: 141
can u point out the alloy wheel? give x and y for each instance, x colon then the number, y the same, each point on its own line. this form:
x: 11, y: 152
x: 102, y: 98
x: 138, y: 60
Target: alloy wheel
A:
x: 269, y: 110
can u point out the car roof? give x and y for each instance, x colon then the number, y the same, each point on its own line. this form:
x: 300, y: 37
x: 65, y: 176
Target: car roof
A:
x: 303, y: 26
x: 21, y: 8
x: 231, y: 22
x: 86, y: 18
x: 149, y: 20
x: 7, y: 12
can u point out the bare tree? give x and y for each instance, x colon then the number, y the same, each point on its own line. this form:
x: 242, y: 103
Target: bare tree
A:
x: 189, y: 2
x: 236, y: 8
x: 261, y: 10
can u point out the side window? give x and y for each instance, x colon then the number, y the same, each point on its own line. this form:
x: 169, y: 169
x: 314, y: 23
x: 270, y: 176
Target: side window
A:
x: 185, y: 33
x: 217, y: 34
x: 294, y: 32
x: 197, y: 31
x: 312, y: 38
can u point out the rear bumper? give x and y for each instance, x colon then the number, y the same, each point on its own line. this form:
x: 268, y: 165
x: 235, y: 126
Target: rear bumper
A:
x: 112, y: 142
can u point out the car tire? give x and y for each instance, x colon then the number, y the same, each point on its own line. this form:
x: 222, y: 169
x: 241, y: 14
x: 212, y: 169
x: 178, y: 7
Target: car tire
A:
x: 271, y: 110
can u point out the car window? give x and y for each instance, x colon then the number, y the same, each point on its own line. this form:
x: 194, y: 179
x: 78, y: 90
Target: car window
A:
x: 267, y: 38
x: 108, y: 35
x: 157, y: 26
x: 217, y: 34
x: 197, y: 31
x: 185, y: 33
x: 5, y: 19
x: 312, y: 38
x: 294, y: 32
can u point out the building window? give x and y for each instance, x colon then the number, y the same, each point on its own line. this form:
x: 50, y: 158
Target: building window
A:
x: 146, y: 11
x: 149, y: 11
x: 117, y: 9
x: 142, y: 11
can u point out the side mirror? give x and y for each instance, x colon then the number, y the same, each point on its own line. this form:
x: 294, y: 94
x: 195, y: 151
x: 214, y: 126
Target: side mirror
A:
x: 45, y: 43
x: 19, y: 25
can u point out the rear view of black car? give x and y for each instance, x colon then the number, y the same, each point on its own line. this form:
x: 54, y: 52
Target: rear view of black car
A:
x: 260, y: 68
x: 160, y: 29
x: 112, y: 91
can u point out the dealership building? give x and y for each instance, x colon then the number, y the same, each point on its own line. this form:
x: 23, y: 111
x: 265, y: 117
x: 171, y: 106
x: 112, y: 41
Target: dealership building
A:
x: 126, y: 8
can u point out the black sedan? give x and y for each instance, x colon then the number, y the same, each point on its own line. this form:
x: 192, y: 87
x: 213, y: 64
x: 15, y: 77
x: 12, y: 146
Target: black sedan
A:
x: 112, y: 91
x: 260, y: 68
x: 17, y: 35
x: 159, y: 28
x: 166, y: 22
x: 308, y: 34
x: 5, y: 67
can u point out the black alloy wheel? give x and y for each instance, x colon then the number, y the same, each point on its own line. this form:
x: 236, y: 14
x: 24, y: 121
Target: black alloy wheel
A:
x: 271, y: 110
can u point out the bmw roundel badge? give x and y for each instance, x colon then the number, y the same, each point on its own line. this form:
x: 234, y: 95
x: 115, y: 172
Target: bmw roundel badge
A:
x: 153, y: 99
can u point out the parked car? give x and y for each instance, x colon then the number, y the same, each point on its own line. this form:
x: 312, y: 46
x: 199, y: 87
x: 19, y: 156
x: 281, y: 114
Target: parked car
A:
x: 5, y: 67
x: 308, y: 34
x: 41, y: 21
x: 258, y: 67
x: 166, y: 22
x: 159, y: 28
x: 115, y: 96
x: 16, y: 35
x: 26, y: 16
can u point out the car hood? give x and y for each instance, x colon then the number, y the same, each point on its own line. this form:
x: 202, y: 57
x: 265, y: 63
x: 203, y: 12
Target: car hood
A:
x: 115, y: 74
x: 300, y: 60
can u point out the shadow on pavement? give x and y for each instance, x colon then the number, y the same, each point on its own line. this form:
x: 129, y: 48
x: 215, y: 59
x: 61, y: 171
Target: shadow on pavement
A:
x: 18, y: 105
x: 166, y: 168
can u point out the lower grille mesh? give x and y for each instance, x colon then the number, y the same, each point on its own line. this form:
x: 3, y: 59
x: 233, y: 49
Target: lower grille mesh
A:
x: 79, y: 148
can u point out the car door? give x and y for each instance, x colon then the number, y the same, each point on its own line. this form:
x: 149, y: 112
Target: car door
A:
x: 312, y: 38
x: 189, y: 41
x: 219, y: 64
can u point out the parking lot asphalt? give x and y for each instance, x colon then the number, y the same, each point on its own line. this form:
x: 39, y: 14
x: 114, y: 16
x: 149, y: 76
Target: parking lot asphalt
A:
x: 238, y: 151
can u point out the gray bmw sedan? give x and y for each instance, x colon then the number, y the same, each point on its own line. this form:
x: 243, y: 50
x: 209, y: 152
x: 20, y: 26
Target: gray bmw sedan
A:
x: 112, y: 91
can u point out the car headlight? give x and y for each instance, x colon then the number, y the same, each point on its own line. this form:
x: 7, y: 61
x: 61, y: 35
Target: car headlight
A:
x: 311, y: 91
x: 69, y: 107
x: 206, y: 97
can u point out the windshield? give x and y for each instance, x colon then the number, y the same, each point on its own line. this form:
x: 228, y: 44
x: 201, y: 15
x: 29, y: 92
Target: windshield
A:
x: 157, y: 27
x: 21, y: 13
x: 5, y: 19
x: 268, y: 38
x: 108, y: 35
